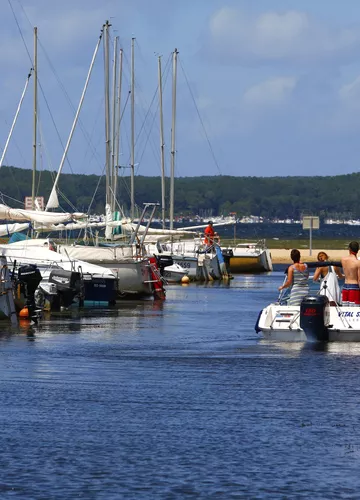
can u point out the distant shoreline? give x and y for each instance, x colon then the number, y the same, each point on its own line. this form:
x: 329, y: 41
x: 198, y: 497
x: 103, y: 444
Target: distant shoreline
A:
x: 282, y: 255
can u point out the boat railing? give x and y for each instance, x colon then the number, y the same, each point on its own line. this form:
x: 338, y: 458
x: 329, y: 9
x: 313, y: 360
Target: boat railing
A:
x: 259, y: 245
x: 314, y: 289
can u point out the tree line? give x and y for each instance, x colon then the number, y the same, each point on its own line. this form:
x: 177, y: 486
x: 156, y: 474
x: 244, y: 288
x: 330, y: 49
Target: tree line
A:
x: 267, y: 197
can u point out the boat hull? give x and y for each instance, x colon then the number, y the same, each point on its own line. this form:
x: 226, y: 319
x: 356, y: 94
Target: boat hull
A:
x: 174, y: 273
x: 7, y: 306
x: 134, y: 277
x: 248, y: 259
x: 283, y: 323
x: 250, y: 263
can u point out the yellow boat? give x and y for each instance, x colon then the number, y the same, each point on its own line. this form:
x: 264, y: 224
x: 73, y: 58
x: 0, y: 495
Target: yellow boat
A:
x: 248, y: 258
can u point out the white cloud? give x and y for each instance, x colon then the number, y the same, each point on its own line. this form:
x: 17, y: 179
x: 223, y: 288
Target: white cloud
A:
x: 350, y: 93
x: 270, y: 37
x: 271, y: 92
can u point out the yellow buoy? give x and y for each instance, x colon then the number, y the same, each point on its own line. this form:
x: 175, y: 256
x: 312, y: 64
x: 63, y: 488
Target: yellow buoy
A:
x: 24, y: 313
x: 185, y: 279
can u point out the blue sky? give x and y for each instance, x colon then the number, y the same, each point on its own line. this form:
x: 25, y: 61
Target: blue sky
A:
x: 276, y: 84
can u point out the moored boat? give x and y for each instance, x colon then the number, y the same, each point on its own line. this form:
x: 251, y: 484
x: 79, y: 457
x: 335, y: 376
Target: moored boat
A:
x: 7, y: 306
x: 248, y: 257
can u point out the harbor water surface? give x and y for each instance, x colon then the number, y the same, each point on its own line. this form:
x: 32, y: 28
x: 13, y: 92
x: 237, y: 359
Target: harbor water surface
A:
x: 174, y: 400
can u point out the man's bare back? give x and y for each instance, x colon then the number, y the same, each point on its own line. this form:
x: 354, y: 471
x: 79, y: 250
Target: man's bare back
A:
x: 351, y: 268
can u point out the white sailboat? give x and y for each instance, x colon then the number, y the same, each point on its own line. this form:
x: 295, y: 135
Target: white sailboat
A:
x: 136, y: 273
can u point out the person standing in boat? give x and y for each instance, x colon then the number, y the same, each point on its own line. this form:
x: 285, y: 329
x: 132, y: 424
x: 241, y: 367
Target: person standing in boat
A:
x: 297, y: 279
x: 210, y: 234
x: 351, y: 268
x: 329, y: 279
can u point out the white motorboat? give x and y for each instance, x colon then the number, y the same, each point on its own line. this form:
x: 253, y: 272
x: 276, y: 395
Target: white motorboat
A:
x: 174, y: 273
x: 313, y: 320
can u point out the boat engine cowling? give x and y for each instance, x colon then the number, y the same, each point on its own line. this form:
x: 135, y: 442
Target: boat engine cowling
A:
x: 29, y: 278
x: 164, y: 261
x: 314, y: 317
x: 69, y: 285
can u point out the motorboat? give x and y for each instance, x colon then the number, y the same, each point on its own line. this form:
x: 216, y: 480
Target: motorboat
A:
x: 174, y: 273
x: 61, y: 275
x: 315, y: 319
x: 169, y: 270
x: 248, y: 257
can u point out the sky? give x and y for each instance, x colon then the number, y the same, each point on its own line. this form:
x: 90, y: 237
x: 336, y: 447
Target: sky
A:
x: 263, y: 88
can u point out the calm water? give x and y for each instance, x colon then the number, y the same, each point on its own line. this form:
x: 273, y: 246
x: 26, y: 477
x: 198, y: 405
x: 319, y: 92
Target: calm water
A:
x: 180, y: 400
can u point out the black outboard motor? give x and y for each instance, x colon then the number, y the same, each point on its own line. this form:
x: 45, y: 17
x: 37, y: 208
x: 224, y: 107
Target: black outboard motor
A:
x: 29, y: 278
x: 69, y: 285
x: 164, y: 261
x: 314, y: 310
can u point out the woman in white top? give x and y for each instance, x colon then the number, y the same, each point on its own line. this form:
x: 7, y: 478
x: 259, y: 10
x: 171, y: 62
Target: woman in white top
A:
x: 329, y: 283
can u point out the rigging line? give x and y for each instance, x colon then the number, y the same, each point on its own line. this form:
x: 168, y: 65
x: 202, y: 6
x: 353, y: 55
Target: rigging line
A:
x: 10, y: 197
x: 166, y: 72
x: 81, y: 125
x: 39, y: 83
x: 96, y: 189
x: 30, y: 57
x: 121, y: 118
x: 200, y: 118
x: 21, y: 34
x: 47, y: 58
x: 86, y: 135
x: 92, y: 133
x: 144, y: 120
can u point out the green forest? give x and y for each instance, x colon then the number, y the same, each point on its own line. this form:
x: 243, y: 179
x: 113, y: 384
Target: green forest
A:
x: 267, y: 197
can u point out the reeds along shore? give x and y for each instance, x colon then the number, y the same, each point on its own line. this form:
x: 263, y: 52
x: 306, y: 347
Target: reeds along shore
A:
x: 282, y: 255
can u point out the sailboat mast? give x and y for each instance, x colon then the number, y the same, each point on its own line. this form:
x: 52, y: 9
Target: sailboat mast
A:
x: 113, y: 200
x: 107, y: 111
x: 117, y: 135
x: 132, y: 166
x: 161, y: 145
x: 35, y: 122
x: 172, y: 171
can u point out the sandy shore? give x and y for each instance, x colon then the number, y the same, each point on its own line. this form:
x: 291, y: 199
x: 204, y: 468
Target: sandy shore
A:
x: 282, y: 255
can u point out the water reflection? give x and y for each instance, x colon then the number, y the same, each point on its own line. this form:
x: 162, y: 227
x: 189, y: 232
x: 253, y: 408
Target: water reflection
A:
x: 299, y: 347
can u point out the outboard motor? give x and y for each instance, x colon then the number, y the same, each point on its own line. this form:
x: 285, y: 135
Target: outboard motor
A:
x: 29, y: 278
x: 314, y: 314
x: 69, y: 285
x: 164, y: 261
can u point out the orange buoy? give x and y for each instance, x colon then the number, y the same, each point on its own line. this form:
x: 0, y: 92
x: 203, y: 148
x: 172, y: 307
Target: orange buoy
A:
x: 24, y: 313
x: 185, y: 280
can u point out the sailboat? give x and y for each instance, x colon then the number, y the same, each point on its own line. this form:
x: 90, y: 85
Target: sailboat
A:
x: 137, y: 274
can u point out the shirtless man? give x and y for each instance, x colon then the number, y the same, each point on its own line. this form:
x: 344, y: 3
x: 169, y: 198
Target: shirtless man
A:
x: 351, y: 268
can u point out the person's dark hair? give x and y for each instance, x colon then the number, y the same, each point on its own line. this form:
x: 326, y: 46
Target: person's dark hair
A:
x: 354, y: 246
x: 295, y: 255
x: 210, y: 222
